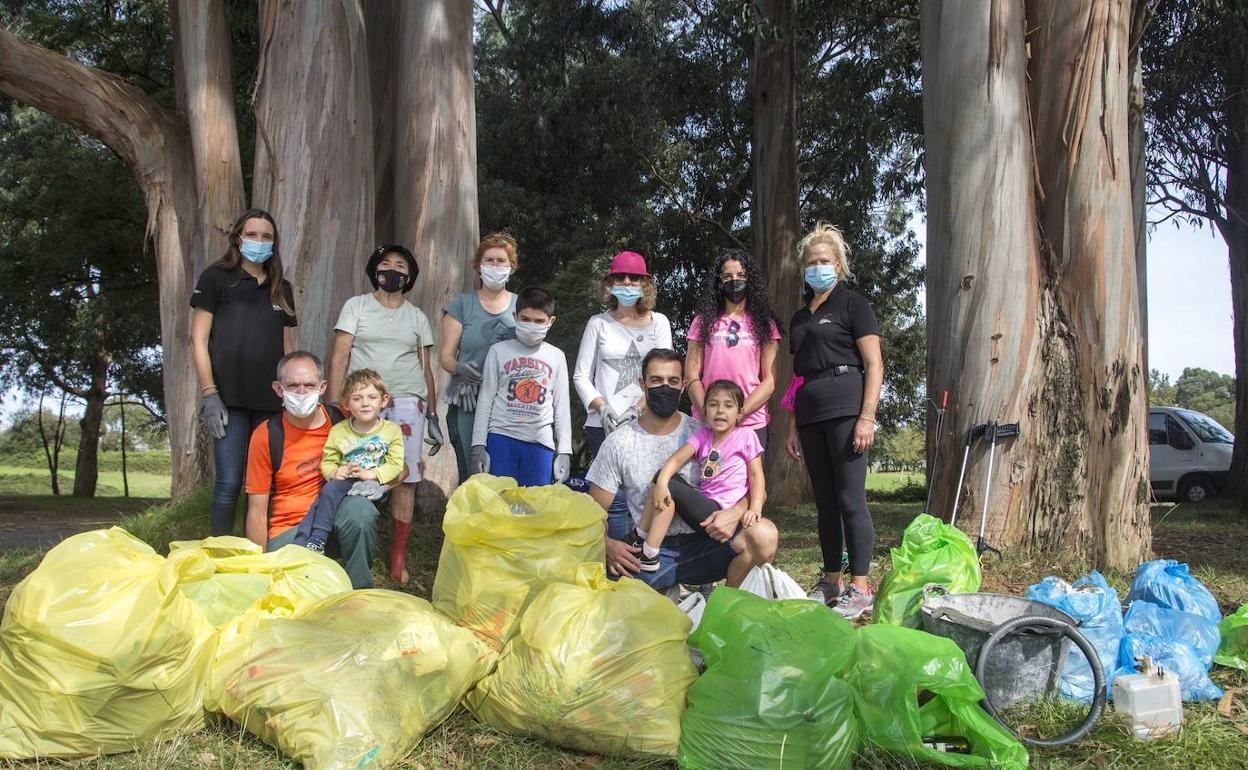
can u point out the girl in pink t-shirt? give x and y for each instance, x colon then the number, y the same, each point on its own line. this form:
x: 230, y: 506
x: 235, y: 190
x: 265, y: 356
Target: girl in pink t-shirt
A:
x: 730, y: 467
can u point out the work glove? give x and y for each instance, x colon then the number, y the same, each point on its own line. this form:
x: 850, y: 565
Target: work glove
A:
x: 610, y: 420
x: 468, y: 372
x: 433, y: 432
x: 562, y: 468
x: 371, y: 489
x: 479, y: 460
x: 214, y: 415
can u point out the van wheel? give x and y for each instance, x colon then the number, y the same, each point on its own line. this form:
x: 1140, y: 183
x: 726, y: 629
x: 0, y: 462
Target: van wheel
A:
x: 1194, y: 489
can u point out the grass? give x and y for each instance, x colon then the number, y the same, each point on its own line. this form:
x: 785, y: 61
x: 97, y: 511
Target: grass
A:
x: 20, y: 480
x: 1208, y: 536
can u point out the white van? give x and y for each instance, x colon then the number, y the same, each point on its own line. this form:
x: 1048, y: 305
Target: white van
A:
x: 1189, y: 454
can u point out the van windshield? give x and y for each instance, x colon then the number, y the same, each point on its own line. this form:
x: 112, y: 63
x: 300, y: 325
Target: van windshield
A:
x: 1206, y: 428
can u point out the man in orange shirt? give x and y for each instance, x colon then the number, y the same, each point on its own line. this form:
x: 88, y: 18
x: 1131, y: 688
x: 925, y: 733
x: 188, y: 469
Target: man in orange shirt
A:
x: 293, y: 488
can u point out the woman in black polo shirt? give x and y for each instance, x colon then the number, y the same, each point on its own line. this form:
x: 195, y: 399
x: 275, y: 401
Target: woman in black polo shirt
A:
x: 240, y: 329
x: 835, y: 342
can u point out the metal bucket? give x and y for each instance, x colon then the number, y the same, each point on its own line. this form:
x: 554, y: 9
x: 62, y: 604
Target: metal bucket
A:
x: 1023, y: 666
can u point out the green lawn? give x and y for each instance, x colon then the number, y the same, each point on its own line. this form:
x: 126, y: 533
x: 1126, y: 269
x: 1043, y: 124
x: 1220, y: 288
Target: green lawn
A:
x: 1208, y: 536
x: 19, y: 480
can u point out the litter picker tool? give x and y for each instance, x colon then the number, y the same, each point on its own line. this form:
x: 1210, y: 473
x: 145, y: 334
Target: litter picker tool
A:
x: 940, y: 422
x: 992, y: 431
x: 971, y: 435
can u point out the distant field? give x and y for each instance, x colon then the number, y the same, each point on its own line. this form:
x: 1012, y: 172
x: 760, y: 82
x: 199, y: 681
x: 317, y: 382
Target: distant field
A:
x: 892, y: 480
x: 34, y: 481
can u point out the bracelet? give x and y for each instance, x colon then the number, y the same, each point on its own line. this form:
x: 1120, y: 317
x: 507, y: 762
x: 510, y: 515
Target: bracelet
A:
x: 867, y: 419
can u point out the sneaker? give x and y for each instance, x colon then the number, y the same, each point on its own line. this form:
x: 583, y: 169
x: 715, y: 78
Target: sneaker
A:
x: 315, y: 546
x: 648, y: 563
x: 825, y: 591
x: 854, y: 603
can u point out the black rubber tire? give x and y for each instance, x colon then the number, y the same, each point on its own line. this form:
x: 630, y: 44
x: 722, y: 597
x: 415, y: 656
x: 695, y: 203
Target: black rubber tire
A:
x: 1199, y: 484
x: 1081, y: 641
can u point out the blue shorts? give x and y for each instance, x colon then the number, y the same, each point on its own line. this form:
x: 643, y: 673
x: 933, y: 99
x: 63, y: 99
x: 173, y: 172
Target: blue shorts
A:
x: 531, y: 465
x: 694, y: 558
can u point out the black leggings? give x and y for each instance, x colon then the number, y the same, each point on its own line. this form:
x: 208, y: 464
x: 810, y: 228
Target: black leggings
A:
x: 691, y: 505
x: 839, y: 479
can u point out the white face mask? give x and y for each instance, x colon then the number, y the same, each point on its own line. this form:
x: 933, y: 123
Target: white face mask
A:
x: 529, y: 333
x: 494, y: 277
x: 301, y: 404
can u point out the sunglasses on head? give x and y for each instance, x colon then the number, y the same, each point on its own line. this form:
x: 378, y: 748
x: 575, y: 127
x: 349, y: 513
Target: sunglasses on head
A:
x: 734, y: 333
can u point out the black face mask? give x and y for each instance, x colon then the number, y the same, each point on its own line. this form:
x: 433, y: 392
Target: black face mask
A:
x: 391, y: 280
x: 734, y: 291
x: 662, y: 400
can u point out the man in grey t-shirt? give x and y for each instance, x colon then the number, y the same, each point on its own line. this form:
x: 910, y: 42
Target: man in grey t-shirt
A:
x: 629, y: 459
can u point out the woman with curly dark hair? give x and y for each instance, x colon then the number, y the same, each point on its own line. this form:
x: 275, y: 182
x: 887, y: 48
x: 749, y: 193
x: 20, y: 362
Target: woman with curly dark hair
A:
x: 734, y: 336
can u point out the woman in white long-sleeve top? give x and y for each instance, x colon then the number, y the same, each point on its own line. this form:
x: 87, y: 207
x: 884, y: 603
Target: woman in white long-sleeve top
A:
x: 607, y: 376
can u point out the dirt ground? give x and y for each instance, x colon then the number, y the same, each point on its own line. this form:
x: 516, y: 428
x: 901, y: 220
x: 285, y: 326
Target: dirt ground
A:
x: 35, y: 522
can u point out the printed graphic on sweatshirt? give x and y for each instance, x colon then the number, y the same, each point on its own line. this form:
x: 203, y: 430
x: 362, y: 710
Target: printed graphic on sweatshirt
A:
x: 528, y: 385
x: 369, y: 452
x: 629, y: 367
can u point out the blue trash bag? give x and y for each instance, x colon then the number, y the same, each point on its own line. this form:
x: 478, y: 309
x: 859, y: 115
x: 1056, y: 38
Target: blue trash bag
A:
x: 1167, y: 583
x: 1094, y: 604
x: 1176, y: 641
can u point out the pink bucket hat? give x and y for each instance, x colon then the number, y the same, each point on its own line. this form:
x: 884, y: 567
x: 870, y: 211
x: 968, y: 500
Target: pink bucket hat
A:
x: 628, y: 262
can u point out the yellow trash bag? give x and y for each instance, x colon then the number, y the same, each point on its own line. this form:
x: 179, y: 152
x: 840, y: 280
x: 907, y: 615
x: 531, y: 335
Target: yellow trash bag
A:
x: 598, y: 666
x: 354, y: 681
x: 100, y: 652
x: 242, y: 577
x: 504, y: 544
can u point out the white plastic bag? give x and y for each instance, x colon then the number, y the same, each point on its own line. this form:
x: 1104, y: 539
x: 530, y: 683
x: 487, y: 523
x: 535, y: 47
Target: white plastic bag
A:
x: 693, y: 605
x: 771, y: 583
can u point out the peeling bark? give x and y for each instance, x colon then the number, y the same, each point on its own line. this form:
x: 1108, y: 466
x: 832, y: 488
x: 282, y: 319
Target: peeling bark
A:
x: 314, y: 154
x: 774, y: 215
x: 1032, y: 313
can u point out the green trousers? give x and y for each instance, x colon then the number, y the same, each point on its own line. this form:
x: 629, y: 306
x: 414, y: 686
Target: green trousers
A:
x: 353, y: 539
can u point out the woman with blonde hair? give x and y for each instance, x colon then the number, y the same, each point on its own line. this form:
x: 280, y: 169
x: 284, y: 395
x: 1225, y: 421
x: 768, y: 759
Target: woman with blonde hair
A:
x: 835, y: 342
x: 471, y: 323
x: 607, y: 375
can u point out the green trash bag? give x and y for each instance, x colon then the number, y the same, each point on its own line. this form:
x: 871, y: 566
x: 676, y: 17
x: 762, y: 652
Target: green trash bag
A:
x: 894, y: 669
x: 773, y: 695
x: 931, y: 552
x: 1233, y: 650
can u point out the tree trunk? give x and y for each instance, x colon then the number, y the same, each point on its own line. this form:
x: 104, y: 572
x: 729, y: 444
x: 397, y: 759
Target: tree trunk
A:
x: 774, y: 213
x: 314, y: 153
x: 434, y: 190
x: 87, y: 466
x: 1234, y: 229
x: 381, y: 27
x: 1141, y: 13
x: 1032, y: 311
x: 155, y: 143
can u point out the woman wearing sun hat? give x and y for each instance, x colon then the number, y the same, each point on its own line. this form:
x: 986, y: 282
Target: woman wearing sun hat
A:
x: 607, y: 375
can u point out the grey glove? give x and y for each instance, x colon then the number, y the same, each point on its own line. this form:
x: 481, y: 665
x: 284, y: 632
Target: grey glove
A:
x: 468, y: 372
x: 371, y: 489
x: 433, y: 432
x: 479, y: 460
x: 214, y: 415
x: 612, y: 421
x: 469, y: 399
x: 562, y: 468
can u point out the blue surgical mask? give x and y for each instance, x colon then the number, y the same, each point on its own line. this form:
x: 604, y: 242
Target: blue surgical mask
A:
x: 820, y: 277
x: 256, y: 251
x: 627, y: 295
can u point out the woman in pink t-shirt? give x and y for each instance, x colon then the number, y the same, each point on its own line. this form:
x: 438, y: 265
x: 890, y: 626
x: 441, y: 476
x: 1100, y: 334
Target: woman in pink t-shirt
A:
x: 724, y: 343
x: 729, y: 461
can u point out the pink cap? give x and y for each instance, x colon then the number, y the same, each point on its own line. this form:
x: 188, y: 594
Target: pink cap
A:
x: 629, y: 262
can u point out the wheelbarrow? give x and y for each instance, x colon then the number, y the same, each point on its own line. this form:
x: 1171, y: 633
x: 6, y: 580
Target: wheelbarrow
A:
x: 1016, y: 647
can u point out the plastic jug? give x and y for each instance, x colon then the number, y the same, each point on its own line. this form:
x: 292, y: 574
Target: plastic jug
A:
x: 1151, y: 700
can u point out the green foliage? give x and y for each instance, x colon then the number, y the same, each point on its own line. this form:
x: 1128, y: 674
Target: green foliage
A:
x: 1204, y: 391
x: 1160, y: 391
x: 605, y: 126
